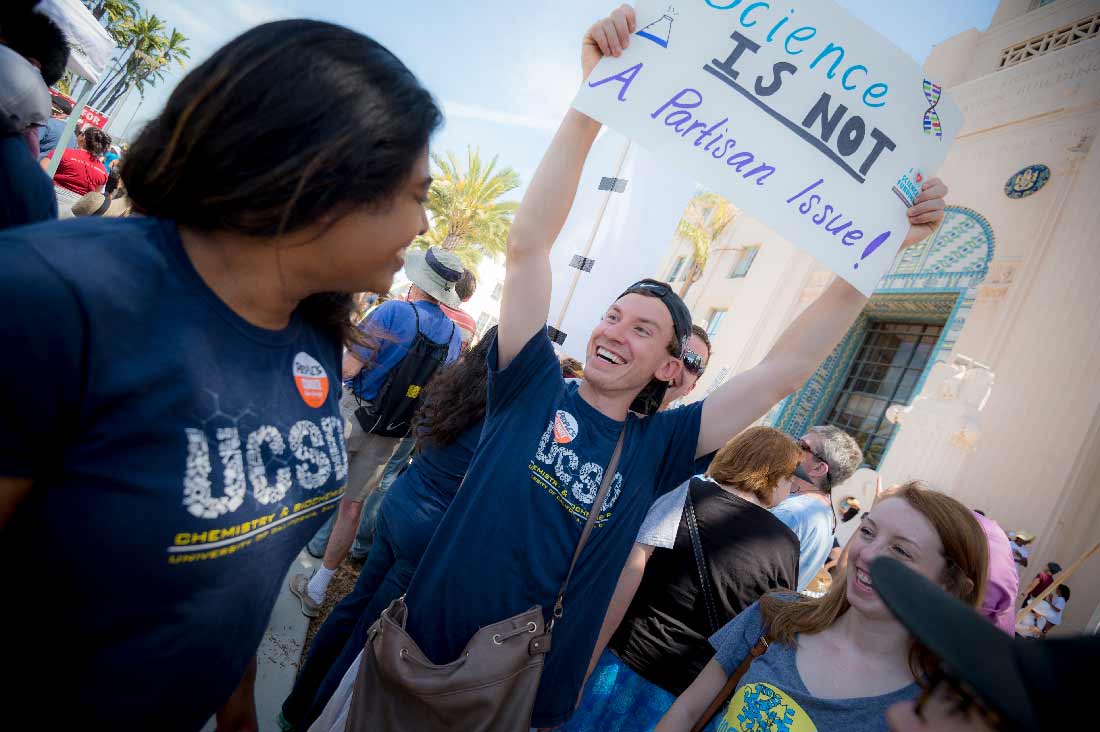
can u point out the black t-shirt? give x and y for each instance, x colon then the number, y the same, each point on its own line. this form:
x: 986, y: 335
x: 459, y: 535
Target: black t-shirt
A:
x: 748, y: 551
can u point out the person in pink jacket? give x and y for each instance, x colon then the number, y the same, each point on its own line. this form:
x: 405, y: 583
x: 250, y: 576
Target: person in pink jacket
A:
x: 998, y: 602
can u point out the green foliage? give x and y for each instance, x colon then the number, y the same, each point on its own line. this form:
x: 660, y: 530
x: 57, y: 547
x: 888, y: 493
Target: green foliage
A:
x: 466, y: 214
x: 148, y: 49
x: 706, y: 217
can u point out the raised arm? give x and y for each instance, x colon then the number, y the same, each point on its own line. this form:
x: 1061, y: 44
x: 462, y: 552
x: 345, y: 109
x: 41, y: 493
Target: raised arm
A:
x: 1032, y: 586
x: 690, y: 705
x: 806, y: 342
x: 525, y: 301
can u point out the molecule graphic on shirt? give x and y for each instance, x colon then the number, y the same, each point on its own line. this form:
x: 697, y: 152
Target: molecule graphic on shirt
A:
x: 267, y: 458
x: 764, y: 711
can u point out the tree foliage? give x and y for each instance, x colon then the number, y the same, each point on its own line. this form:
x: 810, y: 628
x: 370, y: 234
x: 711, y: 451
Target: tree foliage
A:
x: 147, y: 50
x: 467, y: 215
x: 706, y: 217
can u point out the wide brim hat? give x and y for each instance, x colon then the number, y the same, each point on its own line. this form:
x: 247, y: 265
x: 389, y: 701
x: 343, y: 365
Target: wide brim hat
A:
x: 1023, y: 681
x: 435, y: 271
x: 97, y: 204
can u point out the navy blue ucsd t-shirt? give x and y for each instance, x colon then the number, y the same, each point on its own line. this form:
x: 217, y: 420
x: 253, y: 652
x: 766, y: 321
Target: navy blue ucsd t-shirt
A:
x: 181, y: 458
x: 506, y: 542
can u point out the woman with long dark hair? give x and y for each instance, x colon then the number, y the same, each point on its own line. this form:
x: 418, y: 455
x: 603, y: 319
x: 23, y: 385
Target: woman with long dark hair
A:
x: 171, y: 436
x: 448, y: 427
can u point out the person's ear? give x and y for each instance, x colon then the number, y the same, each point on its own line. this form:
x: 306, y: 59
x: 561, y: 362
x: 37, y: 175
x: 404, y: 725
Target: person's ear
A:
x: 964, y: 584
x: 967, y: 586
x: 670, y: 368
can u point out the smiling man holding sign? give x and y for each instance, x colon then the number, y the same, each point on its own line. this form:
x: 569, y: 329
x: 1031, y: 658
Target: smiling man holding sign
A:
x: 802, y: 115
x: 566, y: 465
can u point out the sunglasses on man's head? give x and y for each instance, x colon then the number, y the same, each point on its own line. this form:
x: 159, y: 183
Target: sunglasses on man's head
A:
x: 660, y: 289
x: 806, y: 446
x: 693, y: 362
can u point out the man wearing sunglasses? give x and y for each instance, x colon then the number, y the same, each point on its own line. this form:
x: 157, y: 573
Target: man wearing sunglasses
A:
x: 696, y: 357
x: 829, y: 457
x: 988, y: 681
x: 507, y: 541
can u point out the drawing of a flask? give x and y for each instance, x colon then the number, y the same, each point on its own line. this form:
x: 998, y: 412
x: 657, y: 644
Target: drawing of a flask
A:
x: 658, y: 31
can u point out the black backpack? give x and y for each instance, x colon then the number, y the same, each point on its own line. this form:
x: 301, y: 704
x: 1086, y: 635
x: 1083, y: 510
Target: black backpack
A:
x: 391, y: 412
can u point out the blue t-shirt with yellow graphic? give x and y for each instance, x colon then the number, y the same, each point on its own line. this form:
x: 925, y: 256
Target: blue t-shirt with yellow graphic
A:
x: 772, y: 698
x: 506, y: 542
x: 180, y: 457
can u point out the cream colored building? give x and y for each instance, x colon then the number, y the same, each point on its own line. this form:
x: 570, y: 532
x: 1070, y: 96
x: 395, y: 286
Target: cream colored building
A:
x: 990, y: 331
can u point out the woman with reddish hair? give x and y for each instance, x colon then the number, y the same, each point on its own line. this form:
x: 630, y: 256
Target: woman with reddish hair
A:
x: 837, y: 662
x: 706, y: 551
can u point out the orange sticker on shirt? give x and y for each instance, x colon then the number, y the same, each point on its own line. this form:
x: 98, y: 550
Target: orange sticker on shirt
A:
x: 311, y: 379
x: 565, y: 427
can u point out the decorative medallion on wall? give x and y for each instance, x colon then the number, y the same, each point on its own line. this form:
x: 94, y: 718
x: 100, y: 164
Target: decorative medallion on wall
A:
x: 1027, y: 181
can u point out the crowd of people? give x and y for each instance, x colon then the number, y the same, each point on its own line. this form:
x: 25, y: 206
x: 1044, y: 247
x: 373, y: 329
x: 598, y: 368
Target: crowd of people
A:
x: 85, y: 180
x: 195, y: 397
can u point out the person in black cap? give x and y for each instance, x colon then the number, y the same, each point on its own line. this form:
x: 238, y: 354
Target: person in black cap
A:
x: 508, y: 539
x: 987, y: 680
x: 49, y: 134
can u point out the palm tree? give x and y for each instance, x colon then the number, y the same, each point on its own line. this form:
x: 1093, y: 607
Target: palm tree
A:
x: 706, y: 217
x: 143, y: 36
x: 113, y: 9
x: 152, y: 68
x: 467, y: 217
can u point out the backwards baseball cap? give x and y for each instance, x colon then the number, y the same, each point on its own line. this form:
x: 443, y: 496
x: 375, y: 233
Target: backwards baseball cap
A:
x: 649, y: 399
x: 1026, y: 683
x: 61, y: 104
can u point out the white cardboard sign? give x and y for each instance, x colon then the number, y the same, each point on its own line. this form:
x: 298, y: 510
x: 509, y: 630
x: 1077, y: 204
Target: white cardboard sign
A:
x: 795, y: 111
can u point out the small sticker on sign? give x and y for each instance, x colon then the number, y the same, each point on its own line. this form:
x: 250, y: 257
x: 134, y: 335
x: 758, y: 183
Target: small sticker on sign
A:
x: 908, y: 186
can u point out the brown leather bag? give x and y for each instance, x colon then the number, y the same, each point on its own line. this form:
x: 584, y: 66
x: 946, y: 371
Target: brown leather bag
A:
x: 730, y: 686
x: 491, y: 687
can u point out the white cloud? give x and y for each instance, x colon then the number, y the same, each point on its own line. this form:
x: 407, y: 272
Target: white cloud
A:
x: 486, y: 114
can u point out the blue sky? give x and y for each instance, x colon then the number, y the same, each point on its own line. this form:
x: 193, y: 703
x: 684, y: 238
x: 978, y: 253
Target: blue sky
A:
x: 505, y: 72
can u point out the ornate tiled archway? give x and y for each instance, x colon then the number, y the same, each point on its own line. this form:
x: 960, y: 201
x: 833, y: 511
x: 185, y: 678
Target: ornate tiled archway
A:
x: 933, y: 282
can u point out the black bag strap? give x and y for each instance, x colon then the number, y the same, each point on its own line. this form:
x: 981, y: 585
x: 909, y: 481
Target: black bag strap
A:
x: 103, y: 206
x: 597, y: 504
x: 730, y: 686
x: 416, y: 312
x: 359, y: 376
x: 701, y: 562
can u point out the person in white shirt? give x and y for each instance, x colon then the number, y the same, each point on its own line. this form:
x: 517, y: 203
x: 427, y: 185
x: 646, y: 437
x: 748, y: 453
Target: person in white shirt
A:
x: 1045, y: 615
x: 830, y: 456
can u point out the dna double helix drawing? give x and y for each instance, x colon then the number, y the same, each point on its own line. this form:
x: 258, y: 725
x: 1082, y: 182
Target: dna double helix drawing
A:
x: 931, y: 117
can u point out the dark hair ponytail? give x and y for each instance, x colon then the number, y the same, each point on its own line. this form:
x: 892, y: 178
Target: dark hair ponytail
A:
x: 455, y: 399
x: 289, y: 125
x: 96, y: 141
